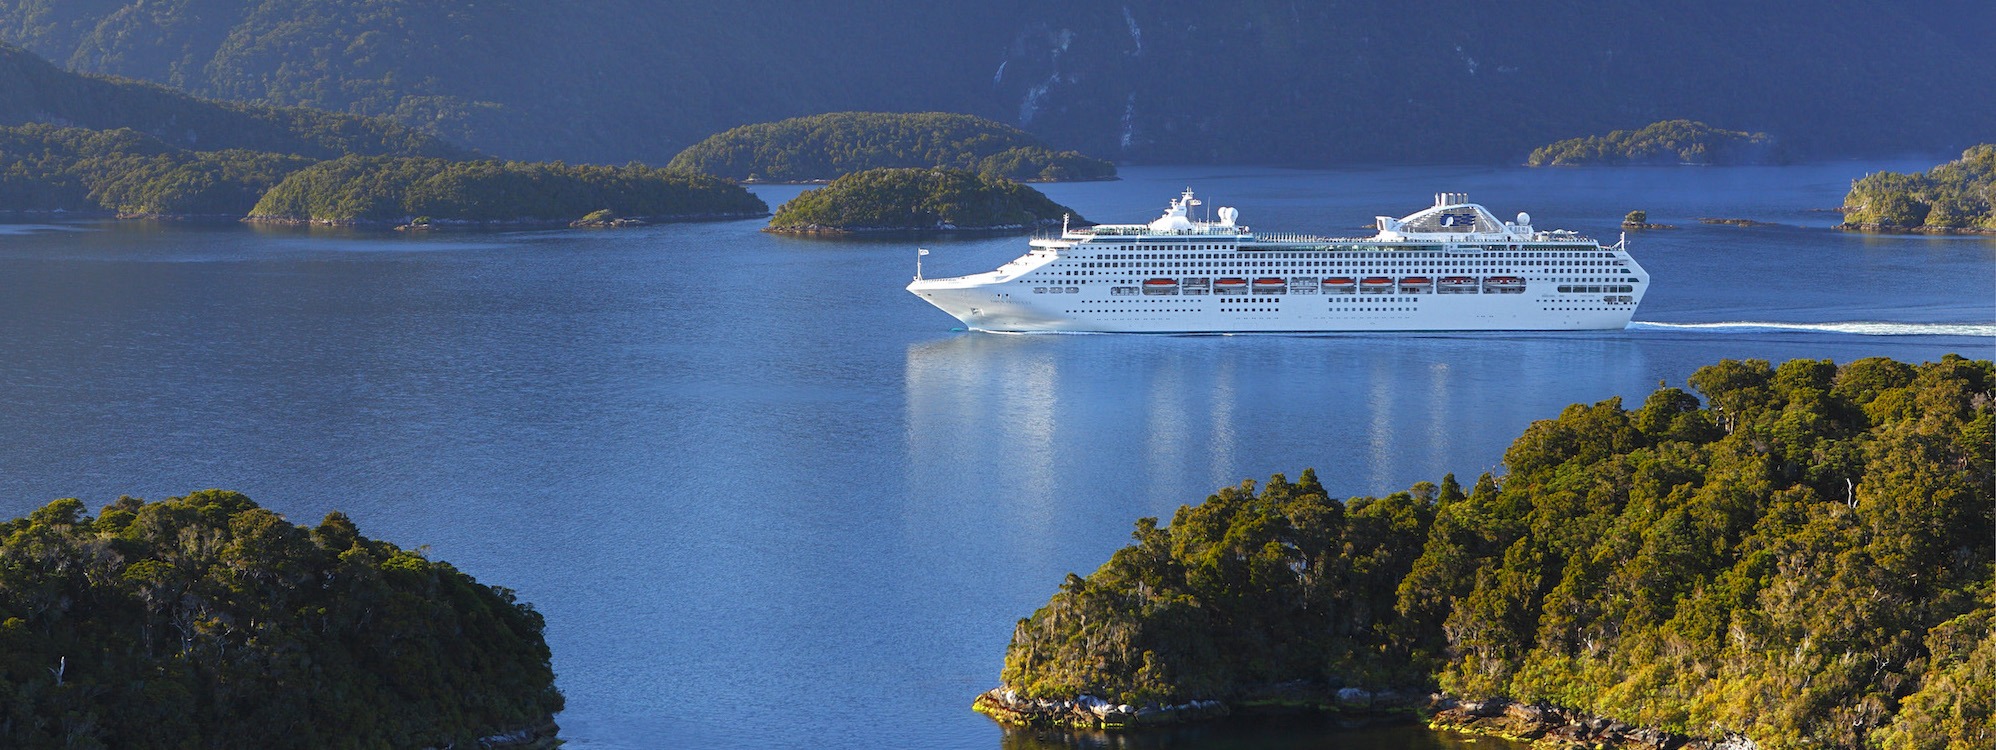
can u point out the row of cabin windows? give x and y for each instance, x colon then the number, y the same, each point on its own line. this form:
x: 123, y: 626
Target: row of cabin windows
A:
x: 1328, y: 264
x: 1345, y: 255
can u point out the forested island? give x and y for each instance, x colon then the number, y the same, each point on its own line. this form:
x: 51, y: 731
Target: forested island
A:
x: 1956, y: 197
x: 918, y: 200
x: 1800, y: 558
x: 89, y: 144
x: 358, y: 190
x: 207, y: 621
x: 828, y: 146
x: 1664, y: 143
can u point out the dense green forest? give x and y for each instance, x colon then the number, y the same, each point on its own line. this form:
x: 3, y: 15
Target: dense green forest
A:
x: 823, y: 147
x: 1958, y: 195
x: 207, y: 621
x: 1668, y: 142
x: 1267, y: 81
x: 46, y: 168
x: 256, y: 160
x: 360, y: 189
x: 37, y: 92
x: 1803, y: 556
x: 917, y: 199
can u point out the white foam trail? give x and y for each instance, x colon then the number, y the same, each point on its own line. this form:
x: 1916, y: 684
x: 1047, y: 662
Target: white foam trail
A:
x: 1861, y: 328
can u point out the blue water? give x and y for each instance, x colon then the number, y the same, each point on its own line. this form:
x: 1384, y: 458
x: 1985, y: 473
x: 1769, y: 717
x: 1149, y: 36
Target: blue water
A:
x: 766, y: 498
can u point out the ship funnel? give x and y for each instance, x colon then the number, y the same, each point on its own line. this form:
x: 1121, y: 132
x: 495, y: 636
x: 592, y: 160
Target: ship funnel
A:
x: 1450, y: 199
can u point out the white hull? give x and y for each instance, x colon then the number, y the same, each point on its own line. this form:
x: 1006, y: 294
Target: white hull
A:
x: 1003, y: 308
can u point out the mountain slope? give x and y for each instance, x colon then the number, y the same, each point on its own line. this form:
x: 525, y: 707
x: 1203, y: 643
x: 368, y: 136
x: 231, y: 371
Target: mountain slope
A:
x: 1275, y: 81
x: 34, y: 91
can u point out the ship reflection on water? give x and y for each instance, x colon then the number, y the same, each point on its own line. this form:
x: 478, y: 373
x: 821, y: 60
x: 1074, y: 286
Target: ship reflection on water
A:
x: 1164, y: 420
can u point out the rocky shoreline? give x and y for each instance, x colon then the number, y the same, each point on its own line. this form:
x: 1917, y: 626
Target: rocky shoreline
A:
x: 1545, y: 726
x: 1554, y: 727
x: 1089, y: 712
x: 470, y: 224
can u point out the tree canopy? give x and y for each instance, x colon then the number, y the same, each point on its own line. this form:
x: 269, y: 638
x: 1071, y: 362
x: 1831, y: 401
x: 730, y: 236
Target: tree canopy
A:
x: 1665, y: 142
x: 1960, y: 194
x: 1804, y: 557
x: 389, y: 189
x: 44, y: 168
x: 207, y: 621
x: 827, y: 146
x: 917, y: 199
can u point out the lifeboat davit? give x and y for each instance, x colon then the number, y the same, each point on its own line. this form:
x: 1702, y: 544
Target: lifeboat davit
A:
x: 1457, y: 281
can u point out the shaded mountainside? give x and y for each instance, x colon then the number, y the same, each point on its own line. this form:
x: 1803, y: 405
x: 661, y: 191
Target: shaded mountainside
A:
x: 34, y: 91
x: 889, y: 200
x: 1957, y: 196
x: 206, y: 621
x: 824, y: 147
x: 1661, y: 144
x: 1266, y: 81
x: 1804, y: 557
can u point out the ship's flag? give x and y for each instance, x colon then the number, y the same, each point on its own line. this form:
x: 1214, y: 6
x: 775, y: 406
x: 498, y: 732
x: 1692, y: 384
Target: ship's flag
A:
x: 923, y: 250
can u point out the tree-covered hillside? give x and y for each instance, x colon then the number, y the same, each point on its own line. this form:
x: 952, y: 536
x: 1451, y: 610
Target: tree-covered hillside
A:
x: 360, y: 189
x: 1803, y: 556
x: 824, y: 147
x: 206, y: 621
x: 1661, y: 143
x: 34, y: 91
x: 47, y: 168
x: 1267, y: 81
x: 1958, y: 195
x: 917, y: 199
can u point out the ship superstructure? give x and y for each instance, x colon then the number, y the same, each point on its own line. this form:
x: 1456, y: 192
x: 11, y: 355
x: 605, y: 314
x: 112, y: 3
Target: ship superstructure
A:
x: 1450, y: 267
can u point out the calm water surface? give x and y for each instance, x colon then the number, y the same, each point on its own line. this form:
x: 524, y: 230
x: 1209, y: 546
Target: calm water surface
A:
x: 766, y: 498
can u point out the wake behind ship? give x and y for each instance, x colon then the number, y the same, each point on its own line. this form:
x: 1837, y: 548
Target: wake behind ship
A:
x: 1451, y: 267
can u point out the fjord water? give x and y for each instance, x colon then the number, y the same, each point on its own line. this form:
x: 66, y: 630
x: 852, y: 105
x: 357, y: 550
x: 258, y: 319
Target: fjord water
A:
x: 766, y: 498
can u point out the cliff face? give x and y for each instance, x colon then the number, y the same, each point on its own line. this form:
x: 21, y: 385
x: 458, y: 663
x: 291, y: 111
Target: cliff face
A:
x: 1258, y: 81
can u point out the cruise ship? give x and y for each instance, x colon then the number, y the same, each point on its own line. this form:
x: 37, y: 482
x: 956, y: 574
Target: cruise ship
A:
x: 1450, y: 267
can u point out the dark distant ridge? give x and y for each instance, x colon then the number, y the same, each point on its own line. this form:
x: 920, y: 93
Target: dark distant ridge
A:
x: 34, y: 91
x: 827, y: 146
x: 1260, y: 81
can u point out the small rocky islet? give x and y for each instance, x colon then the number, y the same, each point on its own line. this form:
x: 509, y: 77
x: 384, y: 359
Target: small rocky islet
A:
x: 915, y: 200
